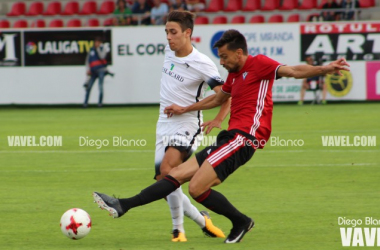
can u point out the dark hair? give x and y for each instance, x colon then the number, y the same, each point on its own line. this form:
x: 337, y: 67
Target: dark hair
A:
x: 234, y: 40
x: 184, y: 18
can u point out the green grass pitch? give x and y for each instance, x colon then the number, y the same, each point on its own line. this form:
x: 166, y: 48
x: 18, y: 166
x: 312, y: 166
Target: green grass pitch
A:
x: 295, y: 194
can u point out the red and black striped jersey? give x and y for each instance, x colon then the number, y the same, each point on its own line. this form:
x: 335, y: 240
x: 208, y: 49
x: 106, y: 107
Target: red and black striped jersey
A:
x: 251, y: 92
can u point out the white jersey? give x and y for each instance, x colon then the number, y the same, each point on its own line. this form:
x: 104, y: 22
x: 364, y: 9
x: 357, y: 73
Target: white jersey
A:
x: 184, y: 81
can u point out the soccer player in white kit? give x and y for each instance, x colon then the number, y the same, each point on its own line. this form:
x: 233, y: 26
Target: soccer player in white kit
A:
x: 186, y: 74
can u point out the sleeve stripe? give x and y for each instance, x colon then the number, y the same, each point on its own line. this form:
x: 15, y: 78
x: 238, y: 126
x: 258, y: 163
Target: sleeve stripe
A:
x: 225, y: 91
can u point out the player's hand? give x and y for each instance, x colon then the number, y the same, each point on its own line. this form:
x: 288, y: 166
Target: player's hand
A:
x: 338, y: 65
x: 88, y: 72
x: 174, y: 109
x: 209, y: 125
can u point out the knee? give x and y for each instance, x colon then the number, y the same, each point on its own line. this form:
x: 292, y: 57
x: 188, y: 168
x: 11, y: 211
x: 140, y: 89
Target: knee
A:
x: 165, y: 168
x: 176, y: 174
x: 196, y: 190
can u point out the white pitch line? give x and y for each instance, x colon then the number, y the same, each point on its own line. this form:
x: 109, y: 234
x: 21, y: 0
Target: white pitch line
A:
x: 72, y: 151
x: 321, y: 150
x: 150, y: 151
x: 151, y: 169
x: 316, y: 165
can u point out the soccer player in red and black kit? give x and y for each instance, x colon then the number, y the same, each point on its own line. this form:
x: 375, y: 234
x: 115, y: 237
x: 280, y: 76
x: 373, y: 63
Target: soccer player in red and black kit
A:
x: 249, y: 83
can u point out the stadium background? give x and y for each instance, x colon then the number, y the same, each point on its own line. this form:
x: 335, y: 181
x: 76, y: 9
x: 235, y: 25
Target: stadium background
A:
x: 58, y: 53
x: 295, y: 194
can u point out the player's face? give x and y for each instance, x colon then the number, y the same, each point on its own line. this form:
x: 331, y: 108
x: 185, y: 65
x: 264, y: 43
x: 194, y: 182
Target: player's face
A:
x: 177, y: 38
x: 229, y: 59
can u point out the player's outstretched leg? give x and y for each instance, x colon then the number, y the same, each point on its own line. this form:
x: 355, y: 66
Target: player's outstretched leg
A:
x: 112, y: 205
x: 156, y: 191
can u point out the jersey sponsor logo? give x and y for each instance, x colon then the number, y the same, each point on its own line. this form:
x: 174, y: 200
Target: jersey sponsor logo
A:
x: 172, y: 66
x: 172, y: 74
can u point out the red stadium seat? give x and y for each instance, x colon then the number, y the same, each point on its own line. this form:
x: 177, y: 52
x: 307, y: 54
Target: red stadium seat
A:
x: 53, y: 8
x: 238, y: 19
x: 257, y: 19
x: 276, y: 19
x: 93, y: 22
x: 234, y: 5
x: 4, y: 24
x: 271, y: 5
x: 367, y: 3
x: 20, y: 24
x: 289, y: 5
x: 294, y: 18
x: 108, y: 22
x: 71, y: 8
x: 18, y: 9
x: 56, y: 23
x: 308, y: 5
x: 201, y: 20
x: 89, y: 8
x: 220, y: 20
x: 252, y: 5
x: 107, y: 7
x: 74, y: 23
x: 39, y: 23
x: 35, y: 9
x: 215, y: 6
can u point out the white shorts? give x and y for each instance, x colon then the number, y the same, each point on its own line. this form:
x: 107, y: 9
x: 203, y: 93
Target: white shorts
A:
x: 184, y: 136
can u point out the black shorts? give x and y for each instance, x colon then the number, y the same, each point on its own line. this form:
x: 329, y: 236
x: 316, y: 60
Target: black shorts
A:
x: 233, y: 149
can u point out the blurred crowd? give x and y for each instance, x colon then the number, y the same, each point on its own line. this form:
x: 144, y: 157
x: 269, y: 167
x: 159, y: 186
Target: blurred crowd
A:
x: 151, y: 12
x: 336, y: 11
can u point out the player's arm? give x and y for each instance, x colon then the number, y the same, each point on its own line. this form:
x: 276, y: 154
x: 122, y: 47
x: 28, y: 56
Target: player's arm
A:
x: 209, y: 102
x: 219, y: 118
x: 307, y: 71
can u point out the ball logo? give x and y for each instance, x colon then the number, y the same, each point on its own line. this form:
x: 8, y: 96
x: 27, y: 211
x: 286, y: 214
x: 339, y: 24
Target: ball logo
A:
x: 339, y: 85
x: 214, y: 39
x: 31, y: 48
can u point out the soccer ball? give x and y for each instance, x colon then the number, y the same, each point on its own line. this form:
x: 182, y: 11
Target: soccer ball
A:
x: 75, y: 223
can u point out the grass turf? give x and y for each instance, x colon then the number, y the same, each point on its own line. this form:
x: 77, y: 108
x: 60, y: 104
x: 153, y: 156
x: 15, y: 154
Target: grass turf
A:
x: 295, y: 194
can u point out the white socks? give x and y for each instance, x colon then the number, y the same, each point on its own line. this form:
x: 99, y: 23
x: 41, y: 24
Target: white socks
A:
x: 180, y: 205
